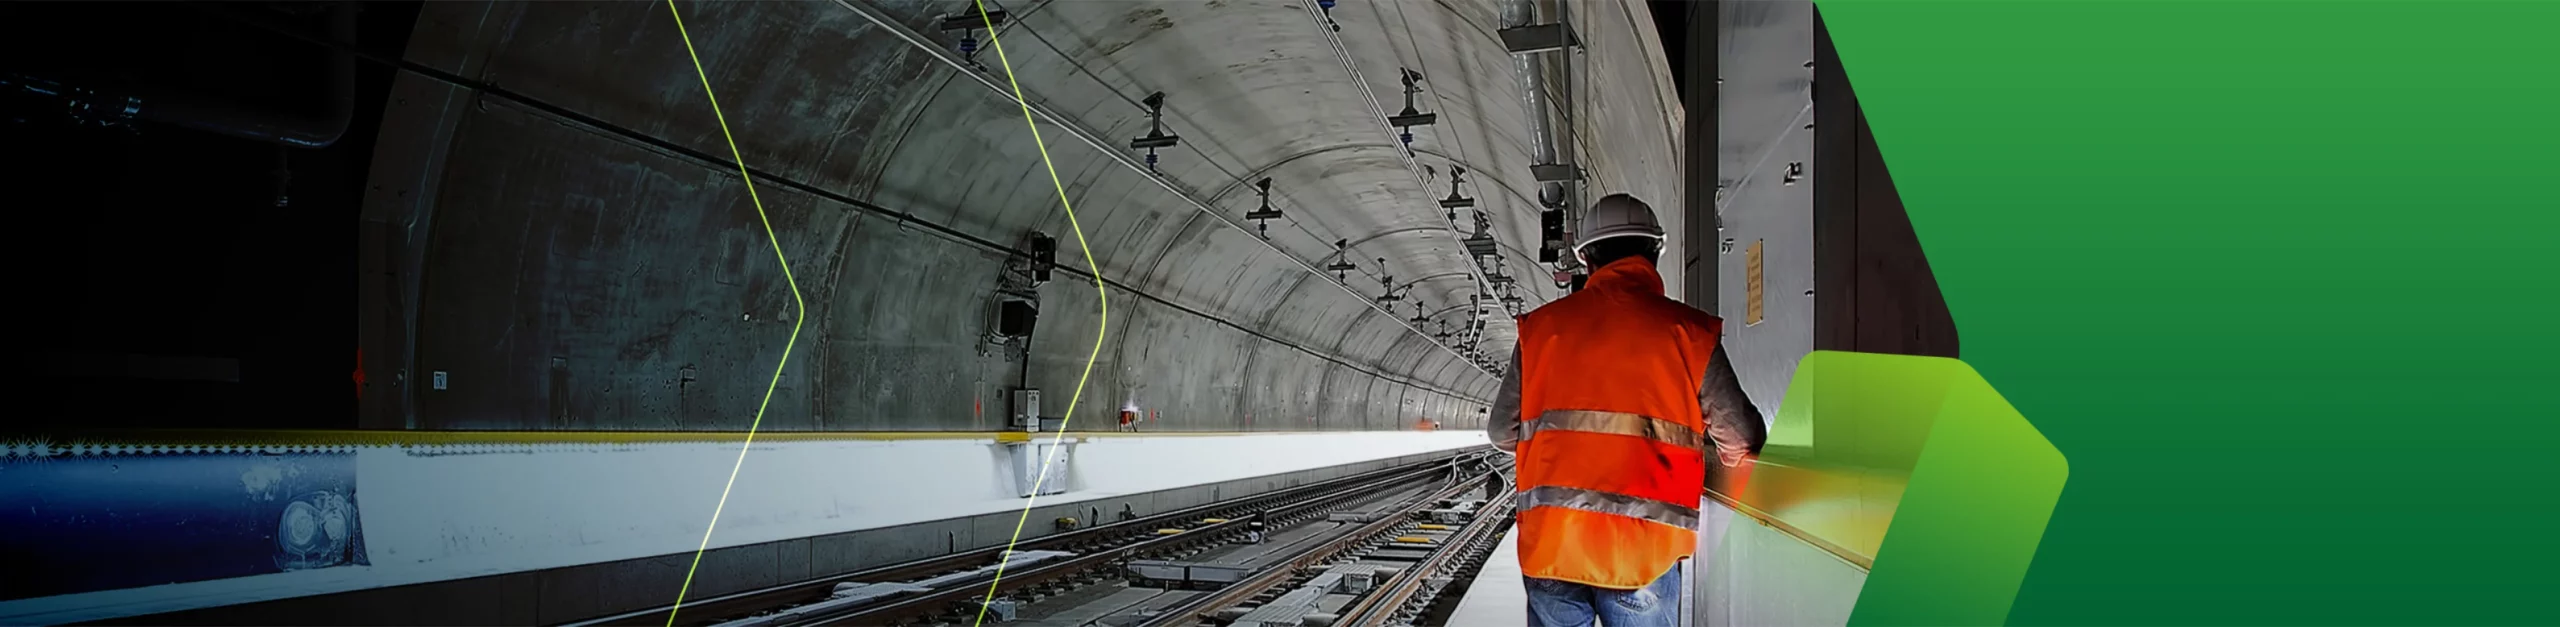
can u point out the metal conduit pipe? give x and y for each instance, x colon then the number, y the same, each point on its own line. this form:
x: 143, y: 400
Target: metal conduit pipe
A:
x: 1530, y: 71
x: 1077, y: 130
x: 107, y: 106
x: 289, y: 130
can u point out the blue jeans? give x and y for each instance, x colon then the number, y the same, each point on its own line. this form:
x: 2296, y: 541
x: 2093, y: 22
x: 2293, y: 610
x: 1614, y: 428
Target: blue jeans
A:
x: 1564, y: 604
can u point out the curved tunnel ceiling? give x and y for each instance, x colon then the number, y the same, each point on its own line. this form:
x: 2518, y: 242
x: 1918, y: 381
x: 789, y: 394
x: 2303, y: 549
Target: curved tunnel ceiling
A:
x: 659, y: 265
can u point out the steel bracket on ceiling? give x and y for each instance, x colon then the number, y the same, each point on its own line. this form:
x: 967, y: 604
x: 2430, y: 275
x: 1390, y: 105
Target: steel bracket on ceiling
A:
x: 973, y: 21
x: 899, y: 29
x: 1536, y: 38
x: 1556, y: 173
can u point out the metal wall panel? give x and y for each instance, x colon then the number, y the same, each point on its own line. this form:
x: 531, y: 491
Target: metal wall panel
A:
x: 1764, y: 159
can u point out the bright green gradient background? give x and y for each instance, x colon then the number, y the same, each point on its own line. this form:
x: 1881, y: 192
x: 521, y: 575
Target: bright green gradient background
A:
x: 2274, y: 276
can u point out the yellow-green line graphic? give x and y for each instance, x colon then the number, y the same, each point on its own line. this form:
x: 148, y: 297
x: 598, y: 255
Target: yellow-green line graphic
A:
x: 800, y: 312
x: 1101, y: 330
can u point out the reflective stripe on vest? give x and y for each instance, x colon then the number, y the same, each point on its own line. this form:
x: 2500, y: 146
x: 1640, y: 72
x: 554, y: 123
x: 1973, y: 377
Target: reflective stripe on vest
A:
x: 1616, y: 423
x: 1686, y: 518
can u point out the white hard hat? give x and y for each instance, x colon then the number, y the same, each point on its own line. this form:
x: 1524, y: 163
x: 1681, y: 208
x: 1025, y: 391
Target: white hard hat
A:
x: 1614, y: 216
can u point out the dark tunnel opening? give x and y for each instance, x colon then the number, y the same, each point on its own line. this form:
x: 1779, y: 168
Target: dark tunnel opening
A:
x: 191, y: 266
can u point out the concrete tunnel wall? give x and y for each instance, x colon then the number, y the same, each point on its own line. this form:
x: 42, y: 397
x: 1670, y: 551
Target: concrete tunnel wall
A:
x: 570, y: 278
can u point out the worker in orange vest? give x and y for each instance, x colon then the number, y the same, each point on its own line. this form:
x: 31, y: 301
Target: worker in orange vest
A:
x: 1614, y: 395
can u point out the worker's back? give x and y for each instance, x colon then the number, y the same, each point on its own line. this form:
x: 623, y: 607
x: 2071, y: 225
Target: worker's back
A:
x: 1613, y: 459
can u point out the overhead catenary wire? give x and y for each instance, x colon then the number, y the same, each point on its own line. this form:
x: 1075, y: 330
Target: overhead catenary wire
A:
x: 1109, y: 149
x: 1023, y: 22
x: 1440, y: 99
x: 1413, y: 166
x: 929, y: 227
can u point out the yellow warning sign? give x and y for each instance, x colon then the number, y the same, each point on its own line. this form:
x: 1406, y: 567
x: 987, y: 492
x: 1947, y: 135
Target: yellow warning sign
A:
x: 1751, y: 284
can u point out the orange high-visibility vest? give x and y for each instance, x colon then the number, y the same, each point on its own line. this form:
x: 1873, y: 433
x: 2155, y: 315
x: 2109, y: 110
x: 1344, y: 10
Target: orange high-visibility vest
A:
x: 1613, y: 449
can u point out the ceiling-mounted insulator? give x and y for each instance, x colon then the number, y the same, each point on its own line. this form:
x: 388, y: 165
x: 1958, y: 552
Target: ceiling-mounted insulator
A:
x: 1262, y: 217
x: 1481, y: 245
x: 1411, y: 117
x: 1456, y: 201
x: 968, y: 25
x: 968, y: 47
x: 1418, y: 317
x: 1388, y: 282
x: 1155, y: 137
x: 1342, y: 266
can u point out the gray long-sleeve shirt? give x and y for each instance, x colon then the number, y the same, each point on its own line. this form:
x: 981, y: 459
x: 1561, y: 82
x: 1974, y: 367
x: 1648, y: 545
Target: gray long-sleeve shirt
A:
x: 1732, y: 421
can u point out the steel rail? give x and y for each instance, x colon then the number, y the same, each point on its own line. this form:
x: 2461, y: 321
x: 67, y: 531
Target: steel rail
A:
x: 1390, y: 599
x: 746, y: 602
x: 1077, y: 130
x: 940, y: 601
x: 1200, y: 609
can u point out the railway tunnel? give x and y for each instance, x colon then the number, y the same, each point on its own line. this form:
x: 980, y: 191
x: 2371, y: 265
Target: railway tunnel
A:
x: 802, y: 312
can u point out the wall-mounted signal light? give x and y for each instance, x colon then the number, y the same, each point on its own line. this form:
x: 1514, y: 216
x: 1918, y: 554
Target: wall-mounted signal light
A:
x: 1327, y: 6
x: 1550, y: 234
x: 1044, y: 256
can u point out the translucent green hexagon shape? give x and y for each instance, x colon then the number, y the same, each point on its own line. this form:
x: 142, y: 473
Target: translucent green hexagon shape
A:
x: 1916, y: 468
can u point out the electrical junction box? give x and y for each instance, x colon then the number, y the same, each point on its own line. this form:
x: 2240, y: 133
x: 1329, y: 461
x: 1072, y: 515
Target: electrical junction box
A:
x: 1040, y: 467
x: 1026, y: 409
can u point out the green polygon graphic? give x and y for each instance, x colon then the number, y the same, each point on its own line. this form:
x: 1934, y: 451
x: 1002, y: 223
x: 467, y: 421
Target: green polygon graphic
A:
x: 1922, y: 472
x: 2266, y: 271
x: 1969, y: 523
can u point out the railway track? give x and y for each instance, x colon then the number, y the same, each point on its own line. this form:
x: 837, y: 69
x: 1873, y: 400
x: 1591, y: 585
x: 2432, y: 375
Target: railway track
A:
x: 1385, y: 572
x: 949, y: 589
